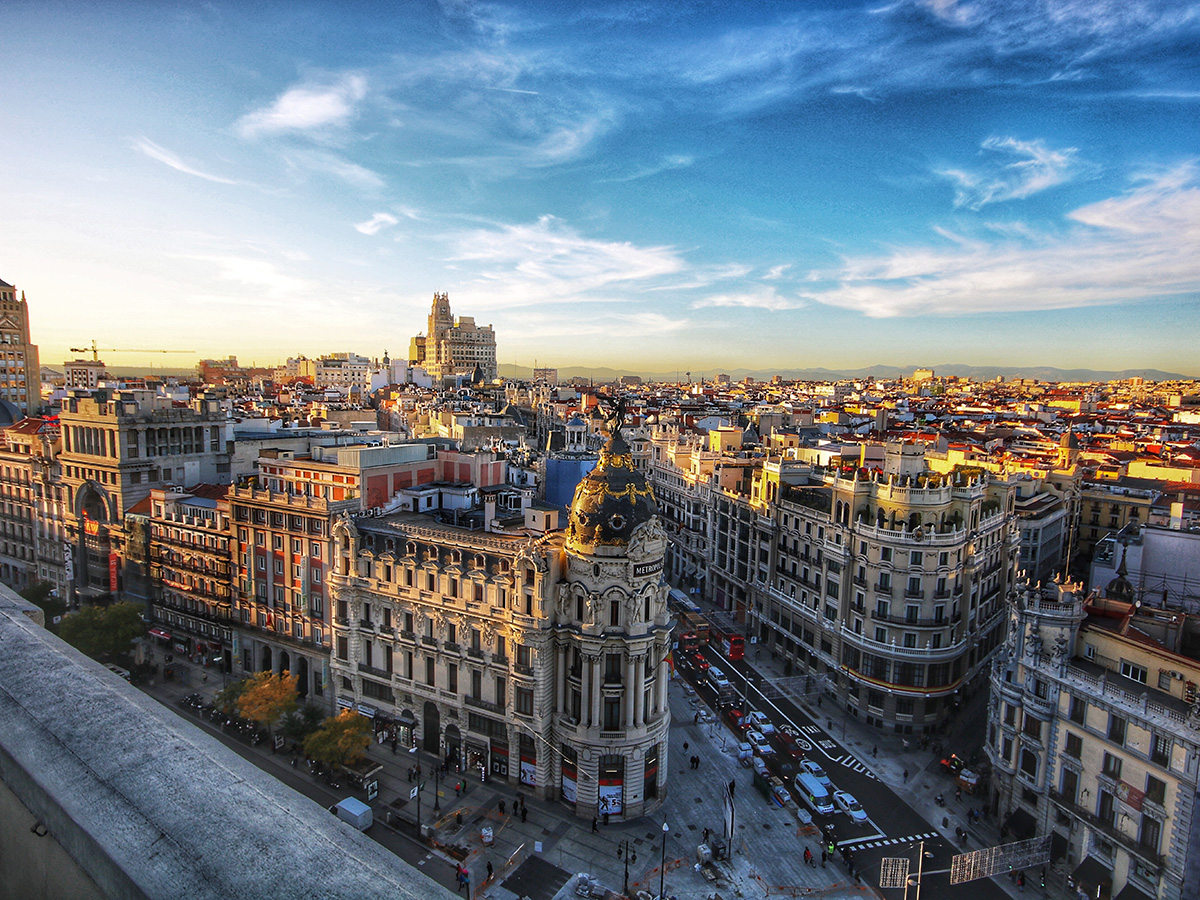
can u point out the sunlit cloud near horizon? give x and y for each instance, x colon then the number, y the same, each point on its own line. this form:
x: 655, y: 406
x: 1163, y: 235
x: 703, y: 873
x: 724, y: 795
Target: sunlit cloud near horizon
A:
x: 784, y: 186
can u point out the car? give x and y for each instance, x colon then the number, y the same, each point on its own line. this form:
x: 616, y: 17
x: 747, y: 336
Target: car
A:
x: 786, y: 745
x: 699, y: 662
x: 816, y: 772
x: 736, y: 720
x: 760, y: 744
x: 760, y: 722
x: 850, y: 806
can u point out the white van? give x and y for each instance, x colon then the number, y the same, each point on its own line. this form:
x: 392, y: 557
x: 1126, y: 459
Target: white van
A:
x: 813, y: 794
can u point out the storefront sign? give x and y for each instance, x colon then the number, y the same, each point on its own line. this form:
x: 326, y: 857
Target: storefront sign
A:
x: 610, y: 798
x: 112, y: 571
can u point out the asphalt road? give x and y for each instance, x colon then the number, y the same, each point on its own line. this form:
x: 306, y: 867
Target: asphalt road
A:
x: 892, y: 822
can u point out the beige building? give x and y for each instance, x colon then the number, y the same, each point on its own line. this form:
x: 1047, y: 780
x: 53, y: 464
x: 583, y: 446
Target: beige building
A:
x: 1094, y: 735
x: 454, y: 347
x: 533, y: 655
x: 20, y: 371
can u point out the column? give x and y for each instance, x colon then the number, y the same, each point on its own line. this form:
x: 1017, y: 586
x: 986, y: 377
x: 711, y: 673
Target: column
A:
x: 639, y: 710
x: 596, y: 690
x: 630, y: 693
x: 585, y: 687
x: 660, y: 703
x: 560, y: 681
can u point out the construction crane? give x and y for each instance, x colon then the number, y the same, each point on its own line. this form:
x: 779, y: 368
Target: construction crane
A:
x: 96, y: 351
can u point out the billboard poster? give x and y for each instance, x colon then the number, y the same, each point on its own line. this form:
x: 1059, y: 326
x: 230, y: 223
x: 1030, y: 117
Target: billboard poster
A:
x: 112, y: 571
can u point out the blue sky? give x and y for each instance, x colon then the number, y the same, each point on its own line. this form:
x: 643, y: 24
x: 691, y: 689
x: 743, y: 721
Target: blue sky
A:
x: 654, y: 186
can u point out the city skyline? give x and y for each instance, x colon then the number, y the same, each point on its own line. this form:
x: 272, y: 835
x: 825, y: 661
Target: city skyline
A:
x: 693, y: 187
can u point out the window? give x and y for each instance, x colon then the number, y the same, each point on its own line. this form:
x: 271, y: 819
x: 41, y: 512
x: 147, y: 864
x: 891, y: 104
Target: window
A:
x: 1160, y: 750
x: 430, y: 671
x: 1116, y: 729
x: 1010, y: 715
x: 501, y: 692
x: 477, y: 685
x: 1151, y: 834
x: 343, y: 648
x: 1156, y: 790
x: 523, y: 701
x: 1134, y: 671
x: 881, y: 635
x: 1074, y: 746
x: 524, y: 656
x: 614, y: 613
x: 1070, y: 785
x: 1029, y: 762
x: 1033, y: 728
x: 1164, y: 680
x: 885, y: 554
x: 1079, y: 710
x: 1112, y: 765
x: 612, y: 714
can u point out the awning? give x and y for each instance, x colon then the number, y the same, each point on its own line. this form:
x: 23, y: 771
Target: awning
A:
x: 159, y: 633
x: 1129, y: 892
x: 407, y: 718
x: 1020, y: 824
x: 1094, y: 877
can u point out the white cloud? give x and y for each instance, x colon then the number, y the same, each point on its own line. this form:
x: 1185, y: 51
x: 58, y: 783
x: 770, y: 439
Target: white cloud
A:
x: 261, y: 274
x: 665, y: 164
x: 776, y: 272
x: 1137, y: 246
x: 759, y: 298
x: 1016, y: 170
x: 154, y: 151
x: 306, y: 108
x: 332, y: 164
x: 376, y: 223
x: 548, y: 261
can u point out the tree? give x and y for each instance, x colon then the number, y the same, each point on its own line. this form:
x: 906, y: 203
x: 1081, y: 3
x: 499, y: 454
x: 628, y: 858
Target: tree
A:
x: 304, y: 721
x: 41, y: 594
x: 266, y: 697
x: 226, y: 699
x: 103, y: 633
x: 341, y: 740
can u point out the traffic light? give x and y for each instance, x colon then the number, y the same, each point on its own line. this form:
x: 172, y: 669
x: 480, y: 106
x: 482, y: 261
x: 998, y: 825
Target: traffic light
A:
x: 1043, y: 876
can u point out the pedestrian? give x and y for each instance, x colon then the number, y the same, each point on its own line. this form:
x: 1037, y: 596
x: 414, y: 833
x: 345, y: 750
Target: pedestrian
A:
x: 394, y: 745
x: 807, y: 857
x: 958, y: 794
x: 501, y: 807
x: 824, y: 856
x: 523, y: 811
x: 457, y: 788
x: 522, y: 803
x: 906, y: 776
x: 685, y: 746
x: 606, y: 820
x: 697, y: 766
x: 706, y: 836
x: 875, y: 750
x: 594, y: 828
x: 696, y: 719
x: 489, y: 870
x: 466, y: 883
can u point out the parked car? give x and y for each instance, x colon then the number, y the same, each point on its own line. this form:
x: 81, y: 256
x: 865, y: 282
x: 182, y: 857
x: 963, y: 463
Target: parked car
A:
x: 760, y: 722
x: 760, y: 744
x: 786, y: 745
x: 736, y: 720
x: 850, y: 806
x: 816, y: 772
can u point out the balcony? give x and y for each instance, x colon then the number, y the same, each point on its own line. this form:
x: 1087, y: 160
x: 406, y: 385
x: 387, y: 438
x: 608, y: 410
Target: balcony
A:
x: 479, y: 703
x: 920, y: 623
x: 428, y: 641
x: 452, y: 647
x: 475, y: 654
x: 377, y: 673
x: 519, y: 669
x: 885, y: 589
x: 1127, y: 841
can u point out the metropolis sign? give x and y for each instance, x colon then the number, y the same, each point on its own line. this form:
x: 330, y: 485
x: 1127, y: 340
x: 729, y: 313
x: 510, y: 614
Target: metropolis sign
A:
x: 648, y: 568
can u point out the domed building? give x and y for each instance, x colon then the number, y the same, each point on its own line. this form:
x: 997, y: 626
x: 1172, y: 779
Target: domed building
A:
x: 533, y: 654
x: 613, y: 635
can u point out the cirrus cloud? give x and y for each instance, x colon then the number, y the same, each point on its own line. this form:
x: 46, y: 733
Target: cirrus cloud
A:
x: 1015, y: 170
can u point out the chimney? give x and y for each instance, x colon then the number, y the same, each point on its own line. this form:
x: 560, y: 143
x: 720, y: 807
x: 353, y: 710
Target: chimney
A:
x: 1177, y: 516
x: 489, y: 511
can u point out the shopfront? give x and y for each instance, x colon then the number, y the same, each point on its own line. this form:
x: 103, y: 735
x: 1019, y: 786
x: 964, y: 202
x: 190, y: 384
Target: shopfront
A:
x: 528, y: 760
x: 611, y: 798
x: 499, y: 758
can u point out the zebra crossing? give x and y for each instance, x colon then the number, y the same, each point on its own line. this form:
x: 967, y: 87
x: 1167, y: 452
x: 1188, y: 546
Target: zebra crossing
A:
x: 869, y: 843
x: 853, y: 763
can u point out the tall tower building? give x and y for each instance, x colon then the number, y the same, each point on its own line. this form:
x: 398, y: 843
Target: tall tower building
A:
x: 20, y: 371
x: 612, y: 642
x: 454, y: 347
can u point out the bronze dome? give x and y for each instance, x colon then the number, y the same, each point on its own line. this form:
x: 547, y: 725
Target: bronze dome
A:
x: 611, y: 501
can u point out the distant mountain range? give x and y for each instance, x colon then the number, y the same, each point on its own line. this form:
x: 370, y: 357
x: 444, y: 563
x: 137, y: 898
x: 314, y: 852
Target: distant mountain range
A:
x: 977, y: 373
x: 604, y: 375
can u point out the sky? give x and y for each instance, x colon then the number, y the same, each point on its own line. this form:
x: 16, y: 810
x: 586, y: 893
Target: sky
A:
x: 653, y: 186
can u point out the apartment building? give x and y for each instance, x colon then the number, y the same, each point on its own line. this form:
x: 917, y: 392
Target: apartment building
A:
x: 1093, y: 736
x: 117, y: 446
x: 191, y: 566
x: 20, y: 371
x: 535, y: 655
x: 454, y: 347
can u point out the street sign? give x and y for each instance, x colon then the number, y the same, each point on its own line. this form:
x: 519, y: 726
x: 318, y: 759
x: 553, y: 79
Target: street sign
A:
x: 893, y: 872
x: 372, y: 789
x: 1000, y: 860
x: 412, y: 795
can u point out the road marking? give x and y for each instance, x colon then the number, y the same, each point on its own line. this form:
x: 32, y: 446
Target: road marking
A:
x: 870, y: 842
x: 852, y: 762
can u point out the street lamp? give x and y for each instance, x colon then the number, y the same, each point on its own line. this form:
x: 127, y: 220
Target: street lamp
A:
x: 662, y: 871
x: 625, y: 850
x: 437, y: 781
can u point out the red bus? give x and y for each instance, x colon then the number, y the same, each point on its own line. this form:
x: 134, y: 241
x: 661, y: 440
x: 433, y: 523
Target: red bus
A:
x: 689, y: 643
x: 731, y: 646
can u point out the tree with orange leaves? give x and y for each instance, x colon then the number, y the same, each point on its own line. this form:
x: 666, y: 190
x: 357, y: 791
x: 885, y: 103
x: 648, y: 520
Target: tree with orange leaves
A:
x: 266, y: 697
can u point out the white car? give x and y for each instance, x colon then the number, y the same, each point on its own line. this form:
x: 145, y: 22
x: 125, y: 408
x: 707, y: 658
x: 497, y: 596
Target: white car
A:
x: 851, y: 807
x: 816, y: 772
x: 759, y: 722
x: 760, y: 744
